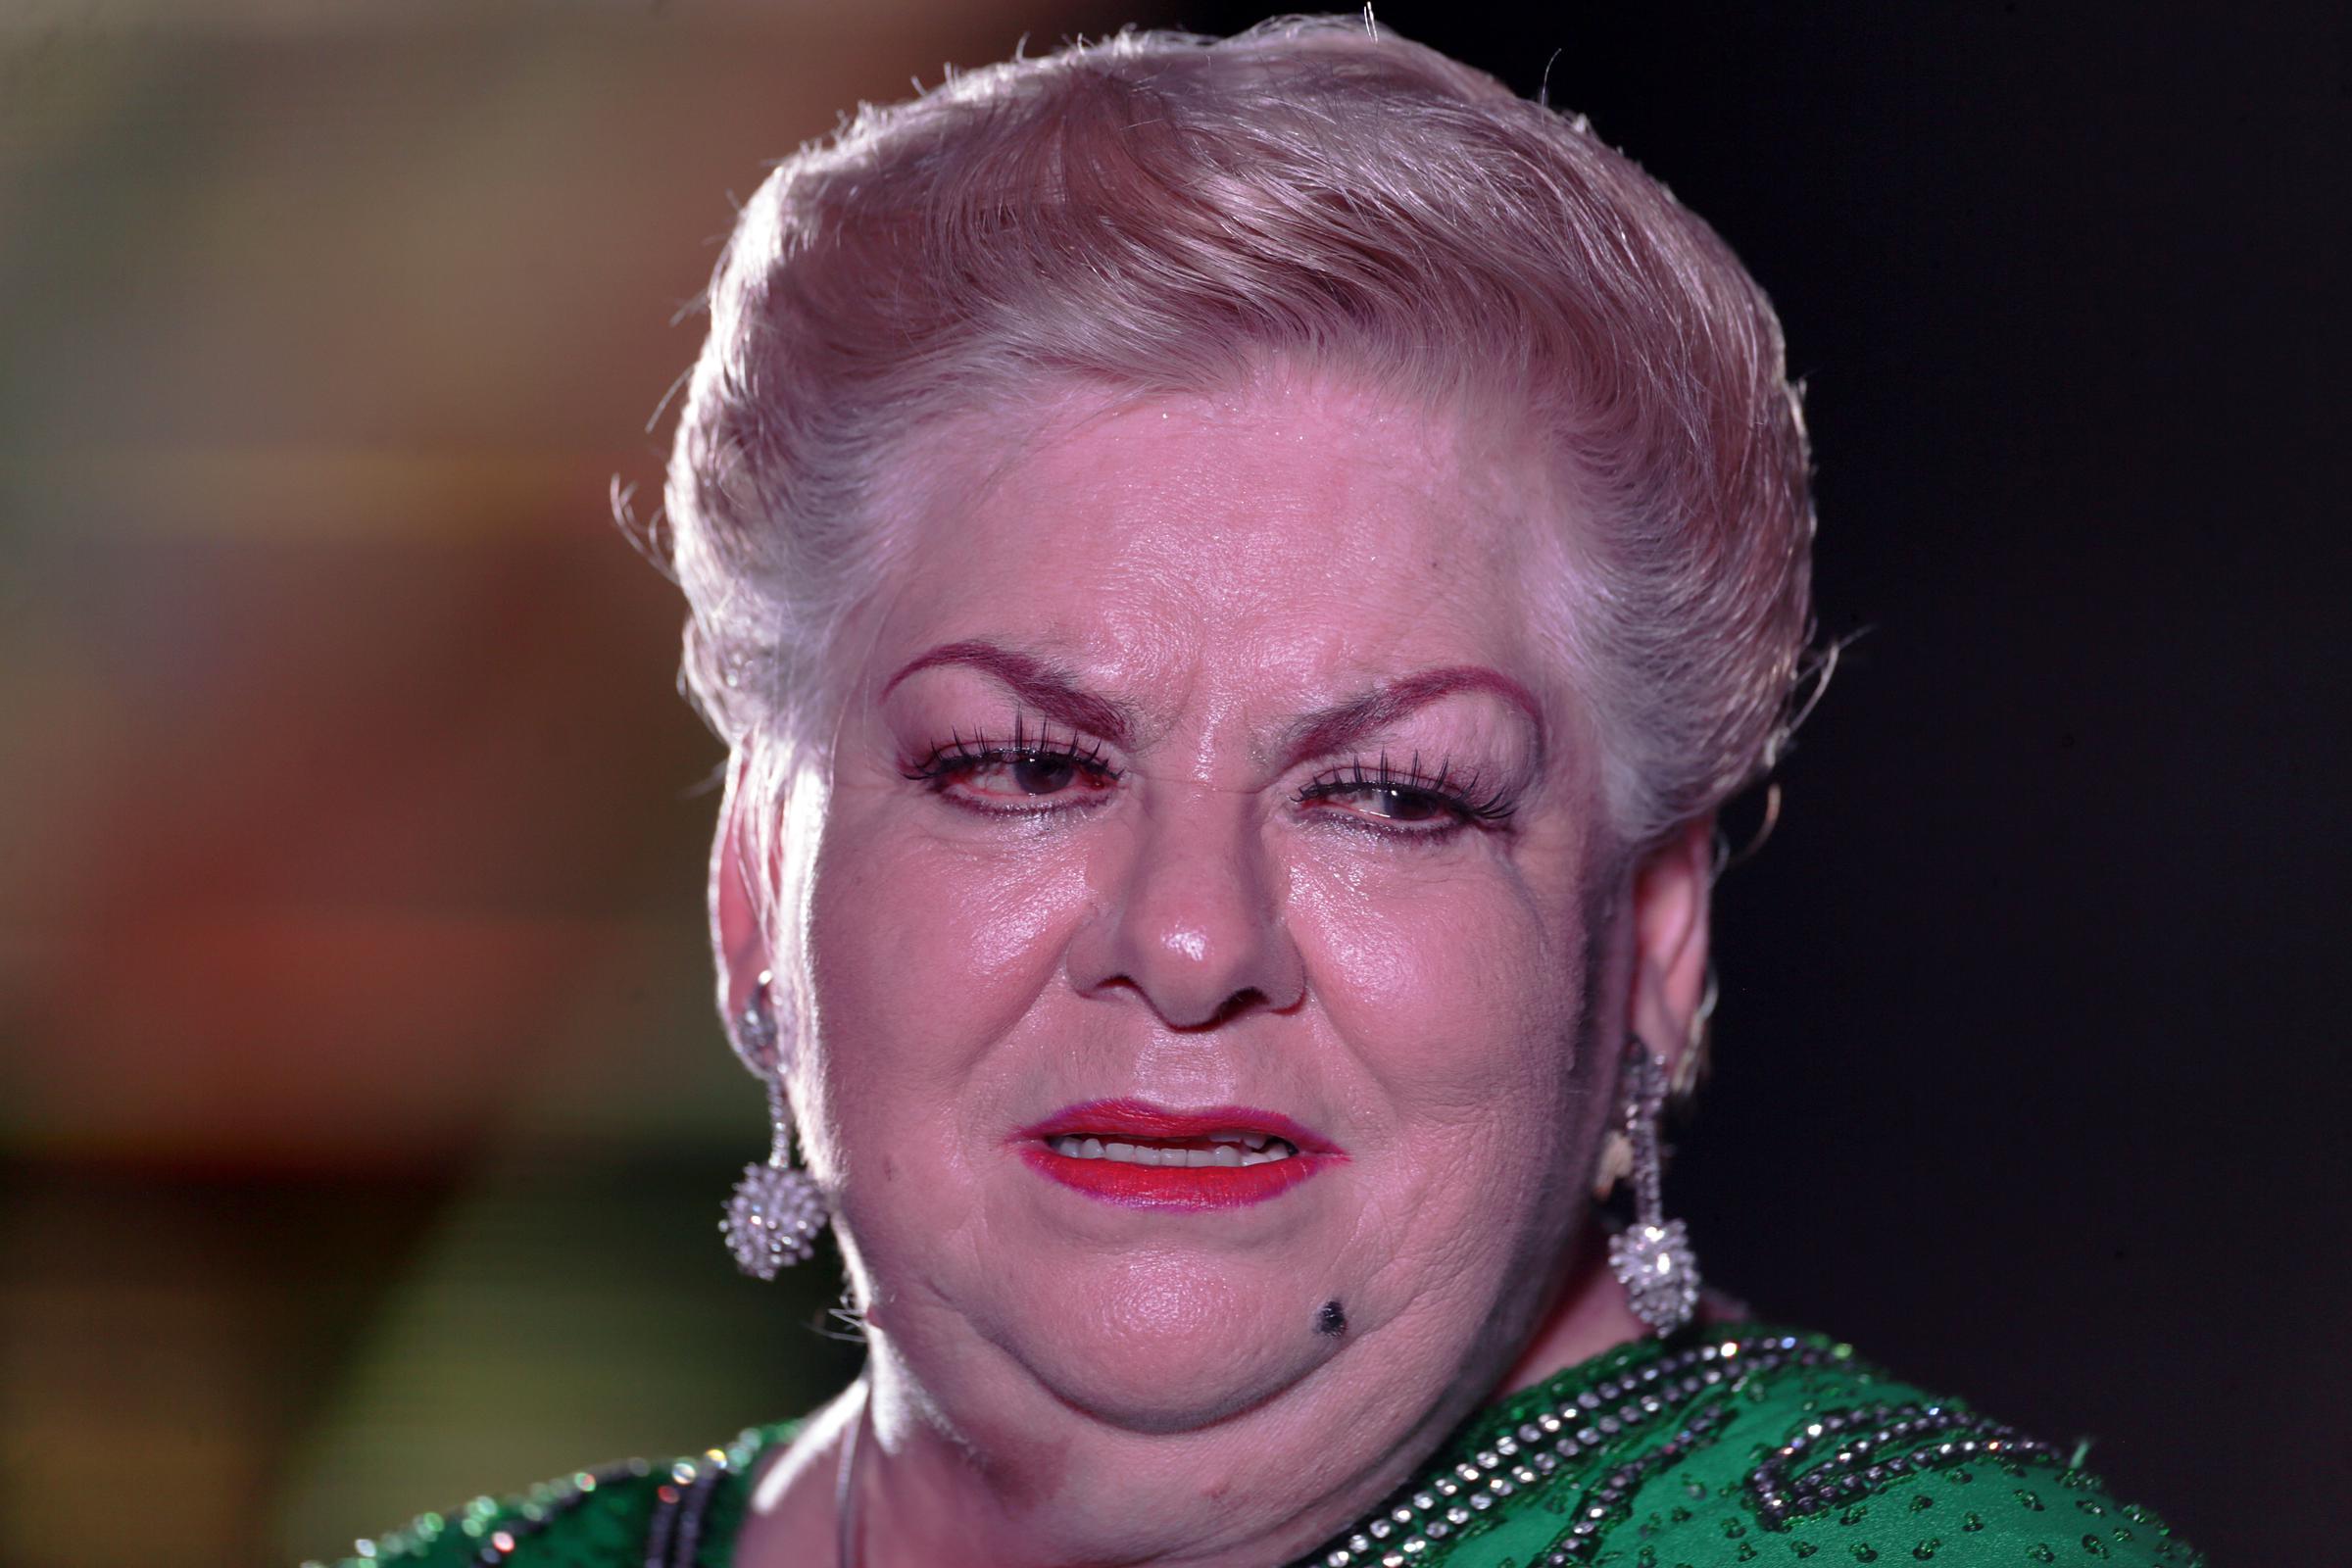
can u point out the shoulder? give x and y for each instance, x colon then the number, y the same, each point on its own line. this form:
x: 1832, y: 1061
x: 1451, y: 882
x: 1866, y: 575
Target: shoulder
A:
x: 1799, y: 1447
x: 636, y: 1515
x: 1743, y: 1444
x: 592, y: 1517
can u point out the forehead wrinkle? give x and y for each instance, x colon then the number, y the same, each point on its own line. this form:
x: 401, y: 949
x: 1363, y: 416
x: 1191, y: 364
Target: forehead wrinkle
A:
x: 1164, y: 542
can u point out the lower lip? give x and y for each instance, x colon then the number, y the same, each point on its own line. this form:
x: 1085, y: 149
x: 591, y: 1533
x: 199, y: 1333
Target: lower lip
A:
x: 1189, y: 1187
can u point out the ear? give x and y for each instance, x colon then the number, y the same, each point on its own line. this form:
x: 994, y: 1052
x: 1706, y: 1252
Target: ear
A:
x: 737, y: 942
x: 1671, y: 887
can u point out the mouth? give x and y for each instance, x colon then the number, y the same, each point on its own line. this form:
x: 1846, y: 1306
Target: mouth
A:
x: 1141, y: 1156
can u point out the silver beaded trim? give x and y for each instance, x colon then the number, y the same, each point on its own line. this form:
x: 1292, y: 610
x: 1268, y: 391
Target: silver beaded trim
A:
x: 1597, y: 1418
x: 1613, y: 1499
x: 1874, y: 1445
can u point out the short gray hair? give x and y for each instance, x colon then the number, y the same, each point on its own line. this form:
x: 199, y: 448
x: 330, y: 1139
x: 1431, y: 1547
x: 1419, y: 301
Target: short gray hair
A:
x: 1162, y: 213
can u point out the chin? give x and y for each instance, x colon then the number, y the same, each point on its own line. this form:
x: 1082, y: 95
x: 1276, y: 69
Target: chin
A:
x: 1163, y: 1341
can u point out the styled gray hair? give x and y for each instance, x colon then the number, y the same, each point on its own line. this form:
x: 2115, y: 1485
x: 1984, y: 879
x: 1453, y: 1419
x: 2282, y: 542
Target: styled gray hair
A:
x: 1164, y: 213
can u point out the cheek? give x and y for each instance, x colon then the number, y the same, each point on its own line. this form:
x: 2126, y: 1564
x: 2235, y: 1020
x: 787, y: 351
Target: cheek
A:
x: 1457, y: 988
x: 1457, y: 980
x: 923, y: 951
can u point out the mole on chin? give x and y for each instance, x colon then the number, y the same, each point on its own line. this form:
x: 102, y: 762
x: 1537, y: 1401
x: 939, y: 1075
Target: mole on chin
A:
x: 1331, y: 1320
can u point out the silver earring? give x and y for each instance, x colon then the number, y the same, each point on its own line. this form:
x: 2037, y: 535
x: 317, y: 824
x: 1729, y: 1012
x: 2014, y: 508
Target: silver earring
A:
x: 776, y: 1215
x: 1652, y: 1257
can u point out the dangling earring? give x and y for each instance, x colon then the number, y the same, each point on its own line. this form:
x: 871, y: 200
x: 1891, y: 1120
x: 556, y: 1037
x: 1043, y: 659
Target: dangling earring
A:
x: 1652, y: 1257
x: 773, y: 1219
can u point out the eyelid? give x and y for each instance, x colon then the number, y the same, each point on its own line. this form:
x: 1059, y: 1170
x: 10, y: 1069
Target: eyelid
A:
x: 1461, y: 796
x: 1465, y: 804
x: 945, y: 762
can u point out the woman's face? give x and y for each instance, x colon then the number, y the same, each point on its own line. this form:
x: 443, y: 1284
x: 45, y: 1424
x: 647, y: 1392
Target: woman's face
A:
x: 1206, y: 790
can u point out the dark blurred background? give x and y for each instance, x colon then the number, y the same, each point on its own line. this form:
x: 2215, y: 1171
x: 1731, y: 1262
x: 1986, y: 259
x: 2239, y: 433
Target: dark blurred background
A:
x: 365, y: 1121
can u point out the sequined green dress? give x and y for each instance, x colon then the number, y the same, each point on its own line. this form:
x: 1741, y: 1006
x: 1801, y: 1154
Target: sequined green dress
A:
x: 1728, y: 1445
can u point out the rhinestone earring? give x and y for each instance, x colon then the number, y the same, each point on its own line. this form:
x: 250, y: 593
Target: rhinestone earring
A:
x: 774, y: 1216
x: 1652, y: 1257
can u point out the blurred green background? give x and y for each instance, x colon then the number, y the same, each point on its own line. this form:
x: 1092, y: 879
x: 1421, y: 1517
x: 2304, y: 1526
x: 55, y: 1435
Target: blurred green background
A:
x: 366, y: 1117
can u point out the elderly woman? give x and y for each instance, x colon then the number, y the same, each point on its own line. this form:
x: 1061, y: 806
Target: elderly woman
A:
x: 1236, y: 577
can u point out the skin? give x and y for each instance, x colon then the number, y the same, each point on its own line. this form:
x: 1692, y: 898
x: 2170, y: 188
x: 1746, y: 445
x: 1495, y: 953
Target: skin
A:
x: 1056, y: 1379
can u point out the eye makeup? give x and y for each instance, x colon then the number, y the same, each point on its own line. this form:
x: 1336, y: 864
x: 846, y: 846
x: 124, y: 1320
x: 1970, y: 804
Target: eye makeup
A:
x: 1411, y: 794
x: 1032, y: 772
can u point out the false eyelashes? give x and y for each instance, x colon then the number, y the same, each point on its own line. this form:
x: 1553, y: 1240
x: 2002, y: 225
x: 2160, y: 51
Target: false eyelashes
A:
x: 1411, y: 784
x: 963, y: 753
x: 1056, y: 771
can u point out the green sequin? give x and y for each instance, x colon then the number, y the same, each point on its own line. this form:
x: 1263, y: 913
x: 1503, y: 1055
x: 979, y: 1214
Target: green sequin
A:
x: 1664, y: 1443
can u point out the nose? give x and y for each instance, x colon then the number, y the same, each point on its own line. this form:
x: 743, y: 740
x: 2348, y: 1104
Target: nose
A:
x: 1193, y: 917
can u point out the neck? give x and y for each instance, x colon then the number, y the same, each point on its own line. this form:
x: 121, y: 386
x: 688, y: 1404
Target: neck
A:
x: 1588, y: 1316
x: 846, y: 1549
x: 1051, y: 1490
x: 1059, y: 1491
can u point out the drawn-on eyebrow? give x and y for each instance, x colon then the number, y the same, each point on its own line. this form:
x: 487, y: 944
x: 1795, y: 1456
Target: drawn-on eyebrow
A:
x: 1349, y: 723
x: 1056, y: 693
x: 1048, y: 688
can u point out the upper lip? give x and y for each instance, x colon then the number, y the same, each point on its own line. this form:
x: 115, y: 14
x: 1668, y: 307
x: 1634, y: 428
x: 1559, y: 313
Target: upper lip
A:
x: 1141, y: 1118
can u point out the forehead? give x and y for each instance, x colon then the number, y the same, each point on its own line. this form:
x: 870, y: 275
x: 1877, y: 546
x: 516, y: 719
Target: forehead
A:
x: 1287, y: 538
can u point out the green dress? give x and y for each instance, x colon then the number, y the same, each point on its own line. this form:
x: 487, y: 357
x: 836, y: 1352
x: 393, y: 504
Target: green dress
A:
x: 1719, y: 1445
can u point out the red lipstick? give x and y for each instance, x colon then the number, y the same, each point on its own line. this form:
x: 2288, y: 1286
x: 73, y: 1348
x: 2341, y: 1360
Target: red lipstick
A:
x: 1142, y: 1156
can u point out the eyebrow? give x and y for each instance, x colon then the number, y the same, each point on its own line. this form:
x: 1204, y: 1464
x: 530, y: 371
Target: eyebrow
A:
x: 1048, y: 688
x: 1358, y: 718
x: 1055, y: 692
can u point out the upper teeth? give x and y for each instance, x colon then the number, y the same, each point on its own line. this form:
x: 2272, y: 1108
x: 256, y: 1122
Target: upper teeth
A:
x: 1231, y: 1148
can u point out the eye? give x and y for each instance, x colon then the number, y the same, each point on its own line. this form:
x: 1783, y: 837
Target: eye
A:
x: 1025, y: 776
x: 1404, y: 803
x: 1401, y: 805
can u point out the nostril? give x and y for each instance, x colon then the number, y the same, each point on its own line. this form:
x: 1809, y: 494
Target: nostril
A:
x: 1239, y: 1003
